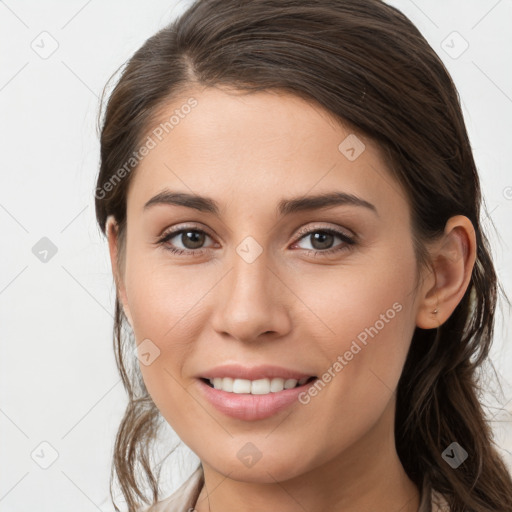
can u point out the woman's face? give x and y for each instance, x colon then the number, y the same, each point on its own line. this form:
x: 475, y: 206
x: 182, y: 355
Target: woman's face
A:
x: 269, y: 283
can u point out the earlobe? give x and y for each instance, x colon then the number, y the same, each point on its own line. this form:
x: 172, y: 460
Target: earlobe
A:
x: 111, y: 229
x: 453, y: 258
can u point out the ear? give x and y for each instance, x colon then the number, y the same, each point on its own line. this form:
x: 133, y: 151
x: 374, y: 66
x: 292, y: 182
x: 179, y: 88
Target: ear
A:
x: 112, y: 232
x: 453, y: 258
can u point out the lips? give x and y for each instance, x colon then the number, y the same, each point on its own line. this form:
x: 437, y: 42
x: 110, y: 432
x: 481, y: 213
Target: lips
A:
x: 248, y: 406
x: 252, y: 393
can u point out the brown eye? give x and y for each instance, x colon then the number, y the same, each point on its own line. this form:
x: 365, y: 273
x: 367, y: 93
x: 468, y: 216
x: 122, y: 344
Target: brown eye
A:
x: 192, y: 239
x: 185, y: 240
x: 322, y: 241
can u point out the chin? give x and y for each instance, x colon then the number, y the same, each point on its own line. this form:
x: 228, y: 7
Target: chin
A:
x: 279, y: 466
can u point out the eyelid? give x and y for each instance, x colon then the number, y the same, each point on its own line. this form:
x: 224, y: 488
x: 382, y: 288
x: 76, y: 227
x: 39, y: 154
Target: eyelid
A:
x: 316, y: 227
x: 175, y: 230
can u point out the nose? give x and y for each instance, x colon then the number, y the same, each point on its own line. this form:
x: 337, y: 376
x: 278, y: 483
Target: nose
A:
x: 251, y: 301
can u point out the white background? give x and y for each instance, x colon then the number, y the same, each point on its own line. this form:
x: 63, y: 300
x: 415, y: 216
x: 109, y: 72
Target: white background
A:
x: 59, y: 383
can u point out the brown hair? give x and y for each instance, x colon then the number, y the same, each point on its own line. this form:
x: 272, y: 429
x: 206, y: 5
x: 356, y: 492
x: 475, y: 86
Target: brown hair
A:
x: 366, y: 64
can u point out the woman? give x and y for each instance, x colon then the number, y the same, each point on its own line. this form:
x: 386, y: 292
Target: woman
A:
x: 293, y: 216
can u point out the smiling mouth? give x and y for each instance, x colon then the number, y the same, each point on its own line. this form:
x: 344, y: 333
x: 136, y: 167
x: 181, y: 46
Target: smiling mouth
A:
x: 256, y: 387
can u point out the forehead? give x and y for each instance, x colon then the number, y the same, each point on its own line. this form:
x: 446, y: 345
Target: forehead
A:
x: 257, y: 148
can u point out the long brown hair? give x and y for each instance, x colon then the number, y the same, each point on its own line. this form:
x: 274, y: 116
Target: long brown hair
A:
x: 366, y: 64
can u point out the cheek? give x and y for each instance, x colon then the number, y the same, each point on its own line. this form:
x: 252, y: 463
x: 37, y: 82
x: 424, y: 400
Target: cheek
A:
x: 165, y: 302
x: 363, y: 327
x: 364, y: 314
x: 164, y: 299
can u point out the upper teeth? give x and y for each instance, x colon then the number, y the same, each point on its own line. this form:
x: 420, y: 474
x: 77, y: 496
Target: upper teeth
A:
x: 255, y: 387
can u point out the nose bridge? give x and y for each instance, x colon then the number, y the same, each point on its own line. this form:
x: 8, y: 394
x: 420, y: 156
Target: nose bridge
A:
x: 248, y: 303
x: 249, y: 277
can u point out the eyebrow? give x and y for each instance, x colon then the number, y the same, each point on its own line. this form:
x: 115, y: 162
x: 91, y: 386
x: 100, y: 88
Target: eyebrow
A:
x: 285, y: 206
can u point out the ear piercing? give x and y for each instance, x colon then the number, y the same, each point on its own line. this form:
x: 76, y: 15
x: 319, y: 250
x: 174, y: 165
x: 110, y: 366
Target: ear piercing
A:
x: 435, y: 311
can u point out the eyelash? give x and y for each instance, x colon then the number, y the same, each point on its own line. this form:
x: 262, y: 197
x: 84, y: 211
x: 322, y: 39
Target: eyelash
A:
x: 348, y: 241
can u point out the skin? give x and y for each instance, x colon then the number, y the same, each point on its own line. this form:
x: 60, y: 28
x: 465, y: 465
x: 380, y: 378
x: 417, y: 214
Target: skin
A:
x: 288, y: 307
